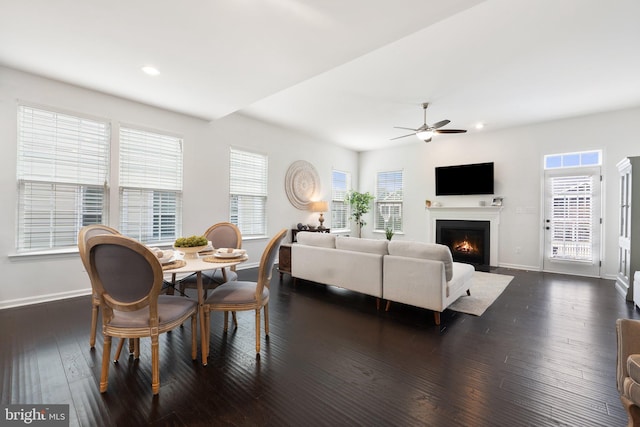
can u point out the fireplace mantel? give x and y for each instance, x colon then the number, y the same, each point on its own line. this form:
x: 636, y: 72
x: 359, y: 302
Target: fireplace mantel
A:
x: 469, y: 213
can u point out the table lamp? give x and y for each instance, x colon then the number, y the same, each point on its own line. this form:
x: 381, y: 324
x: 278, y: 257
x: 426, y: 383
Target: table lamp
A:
x: 321, y: 207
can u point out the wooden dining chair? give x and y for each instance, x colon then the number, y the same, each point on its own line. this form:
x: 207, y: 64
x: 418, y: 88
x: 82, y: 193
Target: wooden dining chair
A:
x: 85, y: 234
x: 128, y: 278
x: 245, y: 295
x: 221, y: 235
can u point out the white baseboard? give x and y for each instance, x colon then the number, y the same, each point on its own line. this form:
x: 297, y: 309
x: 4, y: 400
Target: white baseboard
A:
x: 520, y: 267
x: 39, y: 299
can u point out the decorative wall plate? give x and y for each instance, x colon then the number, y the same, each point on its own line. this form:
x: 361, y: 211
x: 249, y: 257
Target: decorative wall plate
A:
x: 302, y: 184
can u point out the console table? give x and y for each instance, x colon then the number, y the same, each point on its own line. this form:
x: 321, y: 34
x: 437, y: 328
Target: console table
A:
x: 295, y: 231
x: 284, y: 259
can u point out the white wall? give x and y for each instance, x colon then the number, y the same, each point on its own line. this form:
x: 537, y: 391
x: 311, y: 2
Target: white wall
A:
x: 30, y: 279
x: 518, y: 155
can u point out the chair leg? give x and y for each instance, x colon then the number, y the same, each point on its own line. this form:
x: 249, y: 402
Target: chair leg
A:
x: 94, y: 325
x: 235, y: 319
x: 257, y: 331
x: 436, y: 316
x: 207, y: 326
x: 136, y: 348
x: 119, y: 350
x: 106, y: 356
x: 155, y: 364
x: 226, y: 321
x: 131, y: 345
x: 388, y: 306
x: 194, y: 337
x: 266, y: 320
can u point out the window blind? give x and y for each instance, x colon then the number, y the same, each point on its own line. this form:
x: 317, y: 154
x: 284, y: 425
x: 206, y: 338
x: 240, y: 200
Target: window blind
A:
x: 571, y: 229
x: 150, y: 185
x: 389, y: 201
x: 340, y: 184
x: 248, y: 191
x: 62, y: 173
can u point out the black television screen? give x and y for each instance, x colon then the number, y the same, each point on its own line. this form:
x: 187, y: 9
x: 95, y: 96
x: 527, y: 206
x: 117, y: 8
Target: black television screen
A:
x: 464, y: 179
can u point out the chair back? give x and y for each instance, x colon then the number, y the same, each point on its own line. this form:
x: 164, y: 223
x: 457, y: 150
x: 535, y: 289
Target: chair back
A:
x: 126, y: 274
x: 266, y: 262
x: 88, y: 232
x: 224, y: 235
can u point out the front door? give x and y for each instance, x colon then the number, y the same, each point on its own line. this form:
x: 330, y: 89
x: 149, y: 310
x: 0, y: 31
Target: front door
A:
x: 572, y: 222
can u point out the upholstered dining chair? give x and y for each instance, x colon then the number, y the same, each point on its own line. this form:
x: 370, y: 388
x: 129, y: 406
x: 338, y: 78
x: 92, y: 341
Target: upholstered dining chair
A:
x: 128, y: 278
x: 85, y: 234
x: 245, y: 295
x: 221, y: 235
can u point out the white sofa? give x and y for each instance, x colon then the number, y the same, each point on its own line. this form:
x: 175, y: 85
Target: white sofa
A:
x: 419, y: 274
x: 424, y: 275
x: 350, y: 263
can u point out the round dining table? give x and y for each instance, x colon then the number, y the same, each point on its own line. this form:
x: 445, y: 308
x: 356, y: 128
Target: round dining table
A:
x: 197, y: 264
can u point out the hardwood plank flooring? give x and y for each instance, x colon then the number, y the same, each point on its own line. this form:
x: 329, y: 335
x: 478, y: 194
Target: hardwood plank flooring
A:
x: 542, y: 355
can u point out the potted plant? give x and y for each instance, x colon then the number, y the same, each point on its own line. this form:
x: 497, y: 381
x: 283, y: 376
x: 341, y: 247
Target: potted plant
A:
x: 360, y: 204
x: 388, y: 232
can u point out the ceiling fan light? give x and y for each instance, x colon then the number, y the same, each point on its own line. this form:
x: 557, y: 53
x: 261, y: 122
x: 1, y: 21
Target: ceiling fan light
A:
x: 425, y: 135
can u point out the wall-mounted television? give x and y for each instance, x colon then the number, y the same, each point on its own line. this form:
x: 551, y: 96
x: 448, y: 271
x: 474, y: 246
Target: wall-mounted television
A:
x: 460, y: 180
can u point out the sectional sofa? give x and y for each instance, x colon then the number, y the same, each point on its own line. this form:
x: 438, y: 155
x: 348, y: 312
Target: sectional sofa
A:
x: 414, y: 273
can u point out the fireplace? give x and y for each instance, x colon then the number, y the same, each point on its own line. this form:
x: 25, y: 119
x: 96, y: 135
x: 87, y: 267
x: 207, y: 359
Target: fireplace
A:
x: 469, y: 241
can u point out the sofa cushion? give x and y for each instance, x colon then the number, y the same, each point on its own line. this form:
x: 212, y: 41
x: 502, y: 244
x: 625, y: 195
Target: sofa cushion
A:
x: 322, y: 240
x: 372, y: 246
x: 422, y: 250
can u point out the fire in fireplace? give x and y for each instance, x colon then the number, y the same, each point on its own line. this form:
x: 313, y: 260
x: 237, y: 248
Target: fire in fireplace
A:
x: 467, y: 240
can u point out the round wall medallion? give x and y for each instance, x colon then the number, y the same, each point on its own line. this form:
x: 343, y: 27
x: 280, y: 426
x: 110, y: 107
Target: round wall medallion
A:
x: 302, y: 184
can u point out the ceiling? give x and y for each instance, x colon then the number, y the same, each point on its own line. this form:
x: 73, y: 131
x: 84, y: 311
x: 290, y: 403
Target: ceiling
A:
x: 343, y: 71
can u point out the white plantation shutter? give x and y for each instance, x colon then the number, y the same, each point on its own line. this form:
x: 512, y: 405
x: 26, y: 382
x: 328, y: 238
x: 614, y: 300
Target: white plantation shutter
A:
x: 340, y: 184
x: 389, y: 199
x: 150, y: 185
x: 571, y: 217
x: 248, y: 192
x: 62, y: 172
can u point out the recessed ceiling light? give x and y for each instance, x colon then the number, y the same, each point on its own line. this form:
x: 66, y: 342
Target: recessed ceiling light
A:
x: 479, y: 125
x: 152, y: 71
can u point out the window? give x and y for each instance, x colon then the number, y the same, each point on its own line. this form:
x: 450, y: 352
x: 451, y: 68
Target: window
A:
x: 571, y: 160
x: 62, y: 173
x: 248, y: 192
x: 150, y: 186
x: 388, y: 205
x: 340, y: 184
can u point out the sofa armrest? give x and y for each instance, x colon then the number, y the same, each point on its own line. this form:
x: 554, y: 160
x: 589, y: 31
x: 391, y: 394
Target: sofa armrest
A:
x: 414, y: 281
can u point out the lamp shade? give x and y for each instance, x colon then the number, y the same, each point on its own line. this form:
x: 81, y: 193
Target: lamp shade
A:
x: 321, y: 206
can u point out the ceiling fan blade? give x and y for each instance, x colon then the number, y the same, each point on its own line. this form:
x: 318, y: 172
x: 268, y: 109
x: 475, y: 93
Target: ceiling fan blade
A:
x: 403, y: 136
x: 400, y: 127
x: 440, y: 124
x: 450, y: 131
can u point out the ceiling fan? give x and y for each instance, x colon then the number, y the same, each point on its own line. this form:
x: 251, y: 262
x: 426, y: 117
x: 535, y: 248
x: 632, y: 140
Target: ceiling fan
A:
x: 425, y: 132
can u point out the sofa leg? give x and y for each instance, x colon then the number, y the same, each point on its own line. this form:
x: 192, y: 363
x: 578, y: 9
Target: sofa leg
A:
x: 378, y: 304
x: 388, y: 306
x: 436, y: 316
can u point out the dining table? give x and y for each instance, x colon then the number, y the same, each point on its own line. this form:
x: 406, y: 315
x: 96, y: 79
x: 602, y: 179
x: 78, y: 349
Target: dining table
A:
x: 197, y: 263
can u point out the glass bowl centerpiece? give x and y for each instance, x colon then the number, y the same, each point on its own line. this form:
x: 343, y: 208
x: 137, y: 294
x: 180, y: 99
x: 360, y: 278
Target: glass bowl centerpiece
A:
x: 190, y: 246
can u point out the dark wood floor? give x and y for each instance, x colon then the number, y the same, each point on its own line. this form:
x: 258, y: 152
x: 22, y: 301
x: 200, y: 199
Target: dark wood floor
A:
x: 543, y: 354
